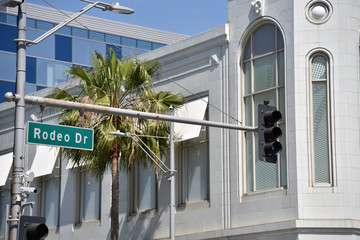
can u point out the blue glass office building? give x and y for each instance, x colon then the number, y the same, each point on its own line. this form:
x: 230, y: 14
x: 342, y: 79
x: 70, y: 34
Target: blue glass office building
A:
x: 47, y: 62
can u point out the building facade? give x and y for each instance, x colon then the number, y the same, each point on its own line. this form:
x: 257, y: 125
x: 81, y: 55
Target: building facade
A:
x: 73, y: 44
x: 300, y: 56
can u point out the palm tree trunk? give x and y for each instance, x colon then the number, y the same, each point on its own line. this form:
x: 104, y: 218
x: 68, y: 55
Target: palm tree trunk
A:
x: 114, y: 231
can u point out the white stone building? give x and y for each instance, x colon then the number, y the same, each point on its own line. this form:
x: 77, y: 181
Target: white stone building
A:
x: 302, y: 57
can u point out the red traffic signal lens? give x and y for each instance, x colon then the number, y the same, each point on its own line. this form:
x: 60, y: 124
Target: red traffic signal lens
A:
x: 271, y: 117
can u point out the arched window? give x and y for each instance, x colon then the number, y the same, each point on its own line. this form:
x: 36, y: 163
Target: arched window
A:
x: 320, y: 119
x: 264, y: 80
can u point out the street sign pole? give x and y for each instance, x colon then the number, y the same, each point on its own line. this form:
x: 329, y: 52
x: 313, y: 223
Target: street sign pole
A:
x: 18, y: 166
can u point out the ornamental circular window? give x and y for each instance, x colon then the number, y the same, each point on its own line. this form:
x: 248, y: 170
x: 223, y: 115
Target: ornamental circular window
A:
x: 318, y: 11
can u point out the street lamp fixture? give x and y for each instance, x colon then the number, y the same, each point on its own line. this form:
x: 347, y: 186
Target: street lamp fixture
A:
x: 113, y: 7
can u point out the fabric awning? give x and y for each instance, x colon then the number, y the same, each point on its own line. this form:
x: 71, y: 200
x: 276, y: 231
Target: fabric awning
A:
x: 6, y: 161
x: 44, y: 160
x: 194, y: 109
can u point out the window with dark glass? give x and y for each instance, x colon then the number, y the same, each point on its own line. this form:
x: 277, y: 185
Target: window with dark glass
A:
x: 31, y: 70
x: 63, y: 48
x: 9, y: 33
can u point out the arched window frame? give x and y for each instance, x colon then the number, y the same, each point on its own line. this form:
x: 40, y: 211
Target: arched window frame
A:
x: 327, y: 166
x: 250, y: 110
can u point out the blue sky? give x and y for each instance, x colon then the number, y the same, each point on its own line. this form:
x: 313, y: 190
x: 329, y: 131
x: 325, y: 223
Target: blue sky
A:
x: 186, y: 16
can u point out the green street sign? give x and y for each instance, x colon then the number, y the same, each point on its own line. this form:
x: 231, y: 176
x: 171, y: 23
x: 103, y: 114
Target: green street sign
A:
x: 61, y: 136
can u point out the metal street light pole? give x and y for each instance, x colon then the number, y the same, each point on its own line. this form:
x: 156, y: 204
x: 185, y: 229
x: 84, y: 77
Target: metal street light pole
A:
x: 18, y: 166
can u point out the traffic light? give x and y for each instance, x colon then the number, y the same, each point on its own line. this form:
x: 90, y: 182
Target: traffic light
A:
x: 32, y: 228
x: 268, y: 133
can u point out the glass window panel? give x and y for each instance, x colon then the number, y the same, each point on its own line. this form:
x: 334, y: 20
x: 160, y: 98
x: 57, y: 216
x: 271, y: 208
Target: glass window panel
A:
x: 264, y: 40
x: 280, y: 40
x: 31, y: 70
x: 266, y: 175
x: 116, y: 49
x: 282, y: 104
x: 91, y: 198
x: 30, y: 23
x: 61, y: 74
x: 260, y: 98
x: 8, y: 34
x: 319, y: 68
x: 78, y: 32
x: 38, y: 88
x: 281, y: 69
x: 247, y: 68
x: 30, y: 88
x: 44, y: 26
x: 283, y: 162
x: 128, y: 52
x: 7, y: 66
x: 249, y: 162
x: 113, y: 39
x: 6, y: 87
x: 147, y: 188
x: 52, y: 189
x: 265, y: 73
x: 98, y: 36
x: 63, y: 48
x: 45, y: 72
x: 247, y: 52
x: 80, y: 51
x: 248, y: 111
x: 130, y: 42
x: 197, y: 172
x: 66, y: 30
x: 96, y: 46
x: 144, y: 45
x: 5, y: 197
x: 320, y: 128
x: 46, y: 48
x: 158, y: 45
x: 31, y: 35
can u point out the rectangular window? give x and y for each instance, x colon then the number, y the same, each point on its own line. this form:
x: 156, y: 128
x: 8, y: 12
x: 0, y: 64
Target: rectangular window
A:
x: 158, y: 45
x: 193, y: 161
x: 129, y: 42
x: 88, y: 198
x: 8, y: 34
x: 117, y: 50
x: 7, y: 18
x: 8, y: 66
x: 63, y: 48
x: 45, y: 72
x: 61, y: 74
x: 98, y: 36
x: 144, y: 190
x: 78, y: 32
x: 5, y: 199
x: 44, y: 26
x: 50, y: 196
x: 320, y: 126
x: 144, y: 45
x: 113, y: 39
x: 31, y: 70
x: 80, y: 51
x: 46, y: 48
x: 65, y: 30
x: 6, y: 87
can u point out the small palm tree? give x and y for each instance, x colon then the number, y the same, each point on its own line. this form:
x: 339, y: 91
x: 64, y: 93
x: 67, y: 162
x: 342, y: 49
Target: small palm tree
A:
x: 125, y: 84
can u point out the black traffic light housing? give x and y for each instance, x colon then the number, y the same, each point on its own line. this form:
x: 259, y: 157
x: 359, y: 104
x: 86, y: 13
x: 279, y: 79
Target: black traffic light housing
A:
x: 32, y: 228
x: 268, y: 132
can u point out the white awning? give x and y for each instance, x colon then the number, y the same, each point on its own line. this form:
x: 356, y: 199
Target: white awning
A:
x: 6, y: 161
x: 194, y: 109
x: 44, y: 160
x: 70, y: 165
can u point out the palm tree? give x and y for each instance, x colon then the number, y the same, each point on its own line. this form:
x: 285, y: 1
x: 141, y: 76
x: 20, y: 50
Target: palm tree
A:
x: 125, y: 84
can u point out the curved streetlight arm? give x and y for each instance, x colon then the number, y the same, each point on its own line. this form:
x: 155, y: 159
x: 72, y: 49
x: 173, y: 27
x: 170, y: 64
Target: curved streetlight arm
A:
x: 104, y: 6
